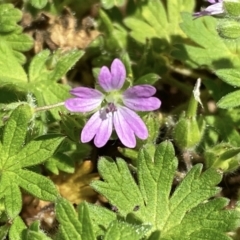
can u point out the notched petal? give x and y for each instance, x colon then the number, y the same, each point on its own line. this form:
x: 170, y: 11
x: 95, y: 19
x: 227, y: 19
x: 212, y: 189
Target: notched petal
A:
x: 142, y: 104
x: 105, y: 79
x: 86, y: 93
x: 104, y: 132
x: 135, y: 122
x: 140, y: 91
x: 118, y: 72
x: 81, y: 105
x: 91, y: 127
x: 123, y: 130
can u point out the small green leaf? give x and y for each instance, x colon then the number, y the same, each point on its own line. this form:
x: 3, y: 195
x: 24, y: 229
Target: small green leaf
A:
x: 100, y: 218
x: 60, y: 161
x: 230, y: 100
x: 107, y: 4
x: 64, y: 64
x: 211, y: 50
x: 230, y: 76
x: 87, y: 227
x: 150, y: 78
x: 13, y: 200
x: 70, y: 227
x: 7, y: 61
x: 39, y: 150
x: 15, y: 232
x: 34, y: 232
x: 38, y: 3
x: 37, y: 185
x: 9, y: 16
x: 118, y: 179
x: 121, y: 230
x: 31, y: 235
x: 44, y: 76
x: 37, y: 66
x: 15, y: 130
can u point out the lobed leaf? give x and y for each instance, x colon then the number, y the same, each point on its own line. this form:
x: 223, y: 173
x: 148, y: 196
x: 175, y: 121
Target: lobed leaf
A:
x: 39, y: 150
x: 172, y: 214
x: 70, y: 227
x: 15, y: 130
x: 37, y: 185
x: 16, y: 229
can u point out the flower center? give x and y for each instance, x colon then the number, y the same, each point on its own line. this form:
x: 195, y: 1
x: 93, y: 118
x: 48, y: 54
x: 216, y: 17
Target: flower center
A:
x: 110, y: 108
x: 113, y: 97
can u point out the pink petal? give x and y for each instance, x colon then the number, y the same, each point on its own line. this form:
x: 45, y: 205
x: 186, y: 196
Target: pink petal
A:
x: 105, y: 130
x: 135, y: 122
x: 105, y: 79
x: 139, y: 91
x: 91, y: 128
x: 82, y: 105
x: 86, y: 93
x: 118, y: 72
x: 123, y: 130
x: 142, y: 104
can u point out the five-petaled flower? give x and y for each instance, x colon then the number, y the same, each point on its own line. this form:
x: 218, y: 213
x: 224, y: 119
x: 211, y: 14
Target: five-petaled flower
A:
x: 114, y: 107
x: 215, y: 9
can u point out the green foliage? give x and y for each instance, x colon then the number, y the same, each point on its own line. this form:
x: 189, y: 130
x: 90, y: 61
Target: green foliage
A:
x: 209, y: 49
x: 38, y: 3
x: 111, y: 3
x: 16, y: 155
x: 149, y: 192
x: 172, y: 215
x: 158, y: 21
x: 11, y: 35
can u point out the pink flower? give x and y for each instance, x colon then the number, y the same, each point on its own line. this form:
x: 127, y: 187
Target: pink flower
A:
x: 115, y: 109
x: 215, y: 9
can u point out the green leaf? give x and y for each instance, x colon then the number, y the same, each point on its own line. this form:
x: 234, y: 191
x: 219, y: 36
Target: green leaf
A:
x: 170, y: 213
x: 150, y: 78
x: 15, y: 130
x: 7, y: 62
x: 107, y: 4
x: 84, y: 218
x: 210, y: 49
x: 100, y: 218
x: 13, y: 200
x: 38, y: 3
x: 230, y: 76
x: 158, y: 21
x: 11, y: 34
x: 37, y: 69
x: 60, y: 161
x: 44, y: 72
x: 34, y: 232
x: 9, y: 16
x: 15, y: 232
x: 118, y: 179
x: 15, y: 154
x: 118, y: 230
x: 70, y: 227
x: 230, y: 100
x: 38, y: 185
x: 39, y: 150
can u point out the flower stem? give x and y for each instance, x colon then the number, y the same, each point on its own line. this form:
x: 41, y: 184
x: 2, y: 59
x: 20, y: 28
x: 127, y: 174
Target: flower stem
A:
x: 44, y: 108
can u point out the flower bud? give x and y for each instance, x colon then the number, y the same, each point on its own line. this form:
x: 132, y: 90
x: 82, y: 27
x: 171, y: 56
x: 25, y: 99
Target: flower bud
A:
x: 187, y: 134
x: 229, y: 29
x: 232, y: 7
x: 223, y: 156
